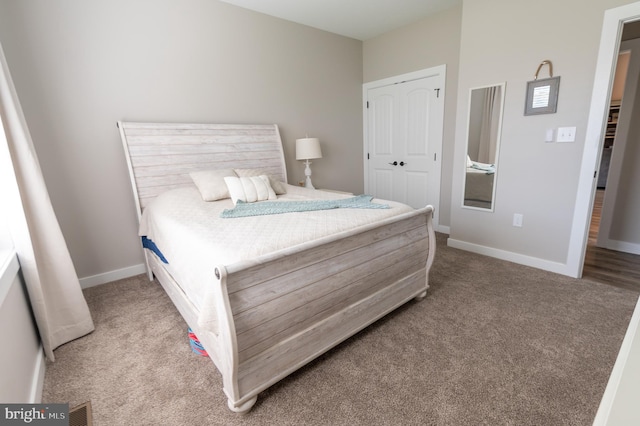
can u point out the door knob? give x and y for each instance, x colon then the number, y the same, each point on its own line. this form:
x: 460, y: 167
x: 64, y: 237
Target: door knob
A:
x: 395, y: 163
x: 402, y: 163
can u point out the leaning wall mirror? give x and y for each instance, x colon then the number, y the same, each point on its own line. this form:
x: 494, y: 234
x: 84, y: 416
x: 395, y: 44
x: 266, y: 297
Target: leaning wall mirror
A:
x: 483, y: 144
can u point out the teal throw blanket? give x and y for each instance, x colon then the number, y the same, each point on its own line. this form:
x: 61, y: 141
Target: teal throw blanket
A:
x: 489, y: 168
x: 243, y: 209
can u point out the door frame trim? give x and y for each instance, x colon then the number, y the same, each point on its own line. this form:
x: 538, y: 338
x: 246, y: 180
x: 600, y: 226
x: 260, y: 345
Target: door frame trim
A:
x: 614, y: 20
x: 619, y: 149
x: 437, y: 71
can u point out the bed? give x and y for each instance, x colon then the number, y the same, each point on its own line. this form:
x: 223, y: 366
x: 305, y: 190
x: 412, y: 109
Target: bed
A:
x: 263, y: 311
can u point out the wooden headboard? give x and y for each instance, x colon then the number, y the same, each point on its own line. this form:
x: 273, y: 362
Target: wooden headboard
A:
x: 160, y: 156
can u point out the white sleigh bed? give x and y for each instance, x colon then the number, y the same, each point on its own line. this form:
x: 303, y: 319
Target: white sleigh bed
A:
x: 264, y: 316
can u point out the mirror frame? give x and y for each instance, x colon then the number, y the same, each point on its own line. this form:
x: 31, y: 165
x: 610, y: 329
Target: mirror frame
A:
x: 502, y: 86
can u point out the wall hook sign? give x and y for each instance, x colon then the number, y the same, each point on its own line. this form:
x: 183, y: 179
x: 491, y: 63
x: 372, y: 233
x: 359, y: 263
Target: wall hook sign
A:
x: 542, y: 94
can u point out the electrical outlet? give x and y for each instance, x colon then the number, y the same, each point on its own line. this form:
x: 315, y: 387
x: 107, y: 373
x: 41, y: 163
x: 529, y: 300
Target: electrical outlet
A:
x: 566, y: 134
x: 517, y: 220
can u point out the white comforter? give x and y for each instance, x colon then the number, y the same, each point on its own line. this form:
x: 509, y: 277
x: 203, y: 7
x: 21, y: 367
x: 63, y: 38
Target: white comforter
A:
x: 193, y: 238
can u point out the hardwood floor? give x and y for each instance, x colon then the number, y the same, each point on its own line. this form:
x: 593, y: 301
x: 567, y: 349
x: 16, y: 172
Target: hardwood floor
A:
x: 609, y: 266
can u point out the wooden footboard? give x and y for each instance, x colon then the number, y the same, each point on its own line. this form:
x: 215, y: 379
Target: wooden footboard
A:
x: 280, y: 312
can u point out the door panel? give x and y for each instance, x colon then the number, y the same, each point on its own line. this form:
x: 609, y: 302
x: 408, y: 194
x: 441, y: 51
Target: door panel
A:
x: 382, y: 141
x: 417, y: 121
x: 383, y: 184
x: 417, y: 180
x: 383, y: 109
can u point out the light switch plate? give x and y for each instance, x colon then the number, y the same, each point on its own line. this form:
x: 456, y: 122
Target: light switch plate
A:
x: 566, y: 134
x: 549, y: 136
x: 517, y: 220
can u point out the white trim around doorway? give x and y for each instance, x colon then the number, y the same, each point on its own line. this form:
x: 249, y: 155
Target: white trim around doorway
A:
x: 614, y: 19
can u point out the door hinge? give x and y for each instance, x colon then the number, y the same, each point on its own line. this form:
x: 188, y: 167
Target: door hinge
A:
x: 367, y: 155
x: 437, y: 92
x: 594, y: 174
x: 367, y: 104
x: 434, y: 156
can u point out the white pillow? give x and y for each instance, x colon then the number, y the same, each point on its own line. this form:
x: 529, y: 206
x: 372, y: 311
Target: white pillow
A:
x: 278, y: 187
x: 250, y: 189
x: 211, y: 183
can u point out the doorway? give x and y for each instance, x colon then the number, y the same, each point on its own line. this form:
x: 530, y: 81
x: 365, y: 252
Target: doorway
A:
x: 614, y: 20
x: 607, y: 259
x: 620, y: 146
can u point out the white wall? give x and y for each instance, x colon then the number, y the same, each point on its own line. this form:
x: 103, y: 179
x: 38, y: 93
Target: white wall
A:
x: 79, y: 66
x: 503, y: 40
x: 428, y: 43
x: 21, y: 356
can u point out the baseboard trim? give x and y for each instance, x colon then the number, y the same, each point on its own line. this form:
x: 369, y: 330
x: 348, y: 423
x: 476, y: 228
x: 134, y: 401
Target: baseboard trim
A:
x: 547, y: 265
x: 623, y: 246
x: 107, y: 277
x: 37, y: 382
x: 442, y: 228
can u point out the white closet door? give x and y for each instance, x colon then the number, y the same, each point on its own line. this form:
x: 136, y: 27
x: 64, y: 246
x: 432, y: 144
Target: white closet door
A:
x: 404, y: 141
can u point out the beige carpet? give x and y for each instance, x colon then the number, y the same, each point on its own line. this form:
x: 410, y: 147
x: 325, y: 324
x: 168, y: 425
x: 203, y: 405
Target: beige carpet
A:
x: 493, y: 343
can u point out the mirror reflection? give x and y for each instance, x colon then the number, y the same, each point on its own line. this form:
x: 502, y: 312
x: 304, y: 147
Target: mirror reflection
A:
x: 483, y: 141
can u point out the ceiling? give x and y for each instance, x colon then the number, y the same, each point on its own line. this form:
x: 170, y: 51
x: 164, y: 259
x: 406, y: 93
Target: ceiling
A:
x: 359, y: 19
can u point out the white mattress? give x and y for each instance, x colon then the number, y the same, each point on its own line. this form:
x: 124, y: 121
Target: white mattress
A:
x: 194, y: 239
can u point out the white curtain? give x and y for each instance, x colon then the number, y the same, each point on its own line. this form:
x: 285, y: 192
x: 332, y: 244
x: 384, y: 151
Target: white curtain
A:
x: 489, y: 126
x: 59, y: 307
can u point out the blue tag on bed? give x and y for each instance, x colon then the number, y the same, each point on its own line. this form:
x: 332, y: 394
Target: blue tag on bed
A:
x: 149, y: 244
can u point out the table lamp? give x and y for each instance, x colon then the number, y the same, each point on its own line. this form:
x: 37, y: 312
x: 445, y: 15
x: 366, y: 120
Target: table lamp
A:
x: 308, y: 149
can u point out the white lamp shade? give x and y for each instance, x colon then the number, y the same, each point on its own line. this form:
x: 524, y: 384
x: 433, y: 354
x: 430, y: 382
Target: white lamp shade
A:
x: 308, y: 149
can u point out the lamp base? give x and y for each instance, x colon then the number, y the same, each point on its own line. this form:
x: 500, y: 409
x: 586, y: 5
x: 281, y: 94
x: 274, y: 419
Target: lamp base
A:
x: 307, y: 173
